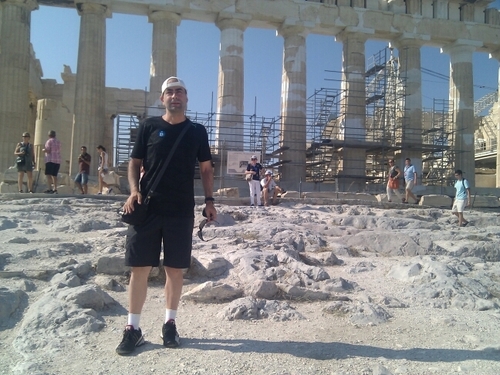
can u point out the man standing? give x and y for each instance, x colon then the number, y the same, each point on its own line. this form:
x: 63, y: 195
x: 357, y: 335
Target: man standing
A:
x: 52, y: 161
x: 410, y: 175
x: 82, y: 177
x: 170, y: 217
x: 462, y: 198
x: 393, y: 181
x: 269, y: 187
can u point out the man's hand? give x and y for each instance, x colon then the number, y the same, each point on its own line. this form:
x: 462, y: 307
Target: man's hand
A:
x: 128, y: 207
x: 210, y: 211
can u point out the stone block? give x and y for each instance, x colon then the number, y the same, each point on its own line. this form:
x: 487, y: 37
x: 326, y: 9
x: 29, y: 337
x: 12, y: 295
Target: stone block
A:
x: 485, y: 201
x: 230, y: 192
x: 436, y: 200
x: 340, y: 195
x: 292, y: 194
x: 64, y: 189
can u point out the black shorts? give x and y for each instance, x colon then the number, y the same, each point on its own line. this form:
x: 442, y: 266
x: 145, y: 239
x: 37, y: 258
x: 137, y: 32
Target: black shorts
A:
x: 51, y: 169
x: 143, y: 244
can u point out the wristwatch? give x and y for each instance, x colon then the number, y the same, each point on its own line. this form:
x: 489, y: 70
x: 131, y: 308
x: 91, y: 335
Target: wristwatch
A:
x: 209, y: 199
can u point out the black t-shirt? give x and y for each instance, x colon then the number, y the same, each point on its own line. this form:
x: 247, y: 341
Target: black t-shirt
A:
x: 174, y: 195
x: 255, y: 168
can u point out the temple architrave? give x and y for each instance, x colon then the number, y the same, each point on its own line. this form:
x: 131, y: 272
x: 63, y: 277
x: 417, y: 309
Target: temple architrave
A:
x: 82, y: 109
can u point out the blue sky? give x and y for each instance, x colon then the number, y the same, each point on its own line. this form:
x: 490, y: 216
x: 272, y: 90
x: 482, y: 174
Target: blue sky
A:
x: 54, y: 35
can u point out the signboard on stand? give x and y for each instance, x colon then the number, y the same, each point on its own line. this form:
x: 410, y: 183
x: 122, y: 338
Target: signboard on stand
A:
x: 237, y: 161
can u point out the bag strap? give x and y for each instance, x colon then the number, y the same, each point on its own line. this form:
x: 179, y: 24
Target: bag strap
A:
x: 167, y: 161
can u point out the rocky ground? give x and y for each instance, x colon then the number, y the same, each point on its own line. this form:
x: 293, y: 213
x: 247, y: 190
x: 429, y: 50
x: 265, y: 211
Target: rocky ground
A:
x: 289, y: 289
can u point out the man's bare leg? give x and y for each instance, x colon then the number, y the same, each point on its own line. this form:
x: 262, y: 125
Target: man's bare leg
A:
x: 173, y: 287
x: 138, y: 289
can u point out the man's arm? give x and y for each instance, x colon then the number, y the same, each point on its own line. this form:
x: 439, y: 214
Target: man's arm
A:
x: 134, y: 171
x: 134, y: 167
x: 207, y: 179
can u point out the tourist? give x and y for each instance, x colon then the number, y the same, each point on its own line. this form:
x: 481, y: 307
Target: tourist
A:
x: 102, y: 169
x: 252, y: 175
x: 269, y: 188
x: 462, y: 198
x: 82, y: 178
x: 393, y: 181
x: 52, y: 162
x: 170, y: 216
x: 25, y: 162
x: 410, y: 175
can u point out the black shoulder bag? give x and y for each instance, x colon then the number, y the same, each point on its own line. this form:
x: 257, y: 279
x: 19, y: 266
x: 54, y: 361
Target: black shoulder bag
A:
x: 140, y: 213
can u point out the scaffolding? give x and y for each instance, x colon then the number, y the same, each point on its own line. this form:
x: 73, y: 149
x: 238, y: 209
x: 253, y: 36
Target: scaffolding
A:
x: 328, y: 139
x: 385, y: 111
x: 125, y: 136
x: 438, y: 157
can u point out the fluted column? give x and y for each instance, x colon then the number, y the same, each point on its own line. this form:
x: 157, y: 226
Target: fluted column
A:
x: 411, y: 75
x: 293, y: 105
x: 353, y: 174
x: 496, y: 56
x: 15, y: 25
x: 163, y: 51
x: 229, y: 122
x: 89, y: 121
x: 462, y: 96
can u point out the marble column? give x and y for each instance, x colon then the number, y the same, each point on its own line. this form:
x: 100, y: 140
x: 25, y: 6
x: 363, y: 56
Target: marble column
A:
x: 163, y: 51
x: 496, y: 109
x: 293, y: 105
x: 353, y: 174
x: 229, y: 120
x: 462, y: 97
x: 14, y: 75
x: 411, y: 75
x: 89, y: 119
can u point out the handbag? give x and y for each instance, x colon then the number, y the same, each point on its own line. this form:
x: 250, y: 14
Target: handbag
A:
x: 140, y: 213
x: 248, y: 177
x: 394, y: 183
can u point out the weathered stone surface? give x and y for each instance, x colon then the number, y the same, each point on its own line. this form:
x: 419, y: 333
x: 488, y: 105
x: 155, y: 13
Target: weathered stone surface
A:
x: 10, y: 301
x: 434, y: 200
x: 480, y: 201
x: 67, y: 278
x: 213, y: 292
x: 111, y: 265
x: 250, y: 308
x: 230, y: 192
x: 263, y: 289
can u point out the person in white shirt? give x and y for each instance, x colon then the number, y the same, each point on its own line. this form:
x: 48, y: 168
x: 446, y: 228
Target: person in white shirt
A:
x: 269, y: 187
x: 103, y: 169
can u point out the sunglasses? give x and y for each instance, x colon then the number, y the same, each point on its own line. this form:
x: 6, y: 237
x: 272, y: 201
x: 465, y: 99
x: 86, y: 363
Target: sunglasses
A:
x: 200, y: 230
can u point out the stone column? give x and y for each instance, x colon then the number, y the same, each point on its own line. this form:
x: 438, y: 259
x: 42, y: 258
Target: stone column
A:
x: 353, y: 174
x: 496, y: 55
x: 229, y: 120
x: 410, y: 63
x: 462, y: 96
x: 293, y: 105
x: 163, y: 51
x: 14, y: 75
x: 89, y: 119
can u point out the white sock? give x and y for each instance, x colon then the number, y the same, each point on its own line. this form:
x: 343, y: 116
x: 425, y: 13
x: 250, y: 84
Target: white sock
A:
x: 170, y: 314
x: 133, y: 320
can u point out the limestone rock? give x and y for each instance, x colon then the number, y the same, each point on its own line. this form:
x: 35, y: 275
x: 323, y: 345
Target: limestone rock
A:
x: 435, y: 200
x: 10, y: 301
x: 111, y: 265
x: 210, y: 292
x: 263, y: 289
